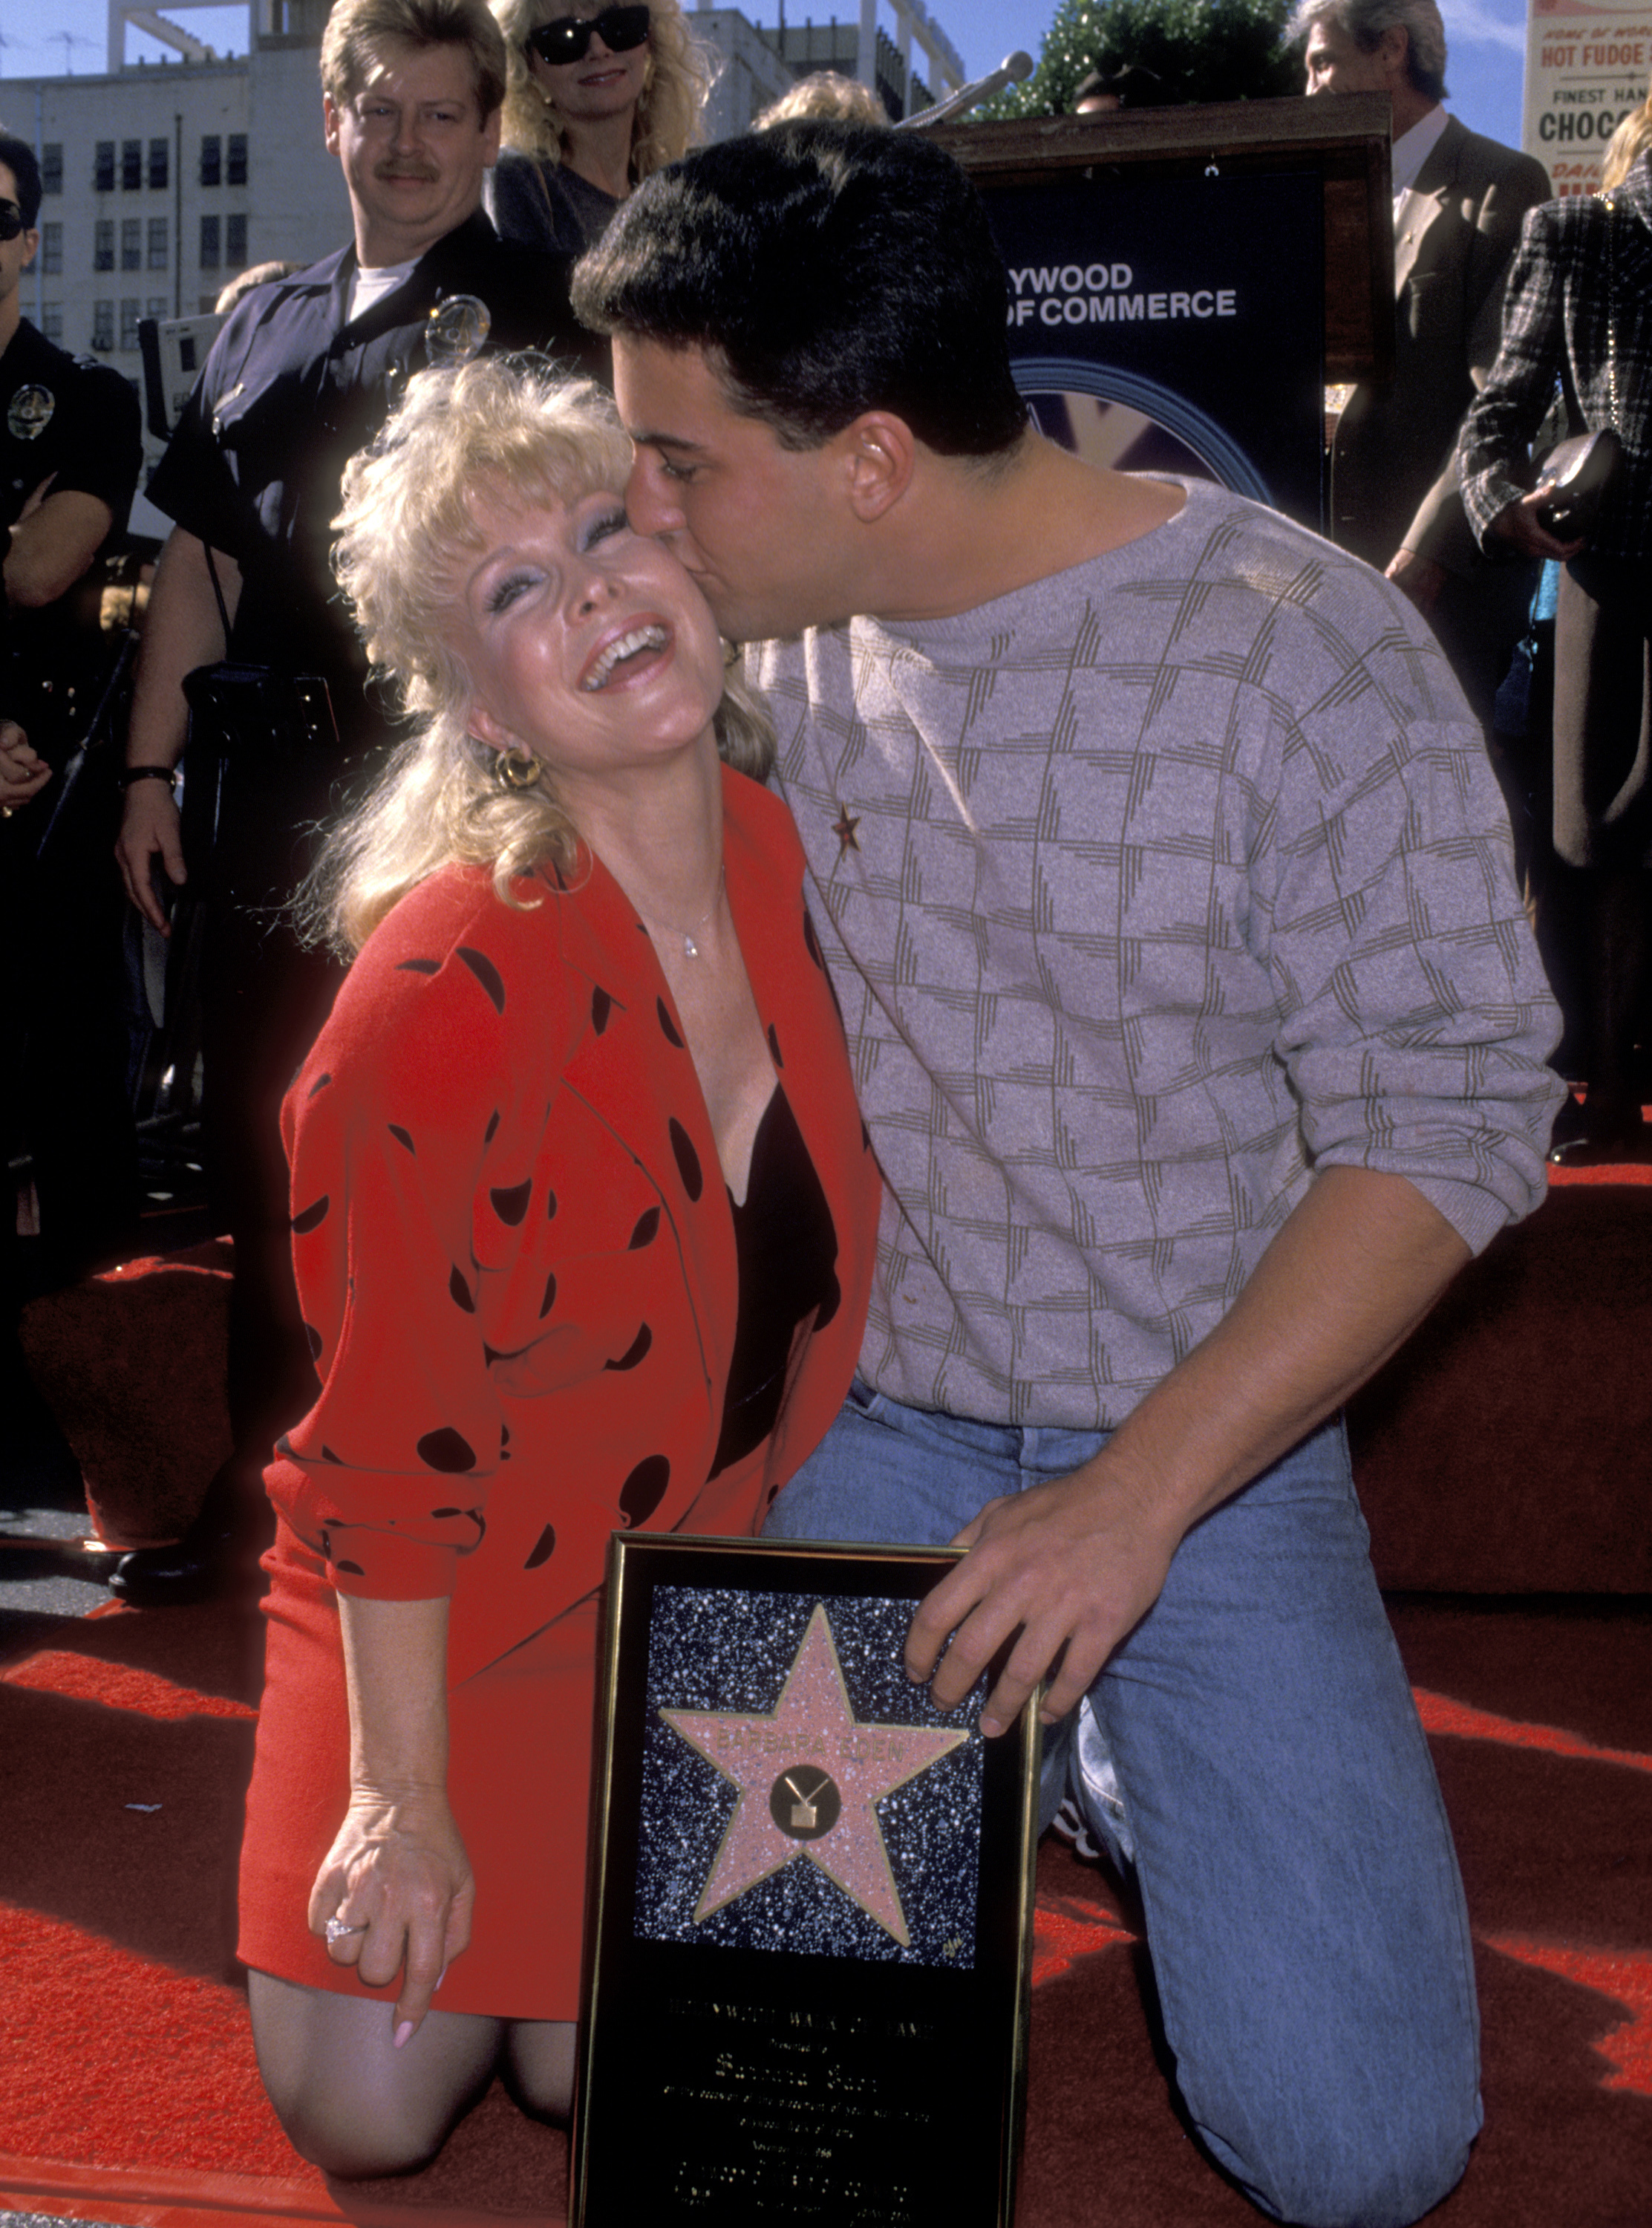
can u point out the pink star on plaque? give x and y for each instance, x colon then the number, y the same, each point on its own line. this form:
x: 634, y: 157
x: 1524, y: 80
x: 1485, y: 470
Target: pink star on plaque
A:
x: 809, y: 1775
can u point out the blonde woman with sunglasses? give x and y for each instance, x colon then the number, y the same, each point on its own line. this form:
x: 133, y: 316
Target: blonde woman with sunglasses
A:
x: 597, y: 98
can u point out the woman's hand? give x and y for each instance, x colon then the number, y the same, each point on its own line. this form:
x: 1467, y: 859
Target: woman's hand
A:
x: 1522, y: 523
x: 399, y: 1872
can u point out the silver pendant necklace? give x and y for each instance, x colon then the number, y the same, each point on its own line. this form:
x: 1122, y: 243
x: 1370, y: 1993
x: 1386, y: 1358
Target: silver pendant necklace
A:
x: 691, y: 950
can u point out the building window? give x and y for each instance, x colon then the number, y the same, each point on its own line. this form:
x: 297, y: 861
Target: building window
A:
x: 160, y: 170
x: 131, y: 243
x: 51, y: 249
x: 103, y: 326
x: 238, y: 159
x: 51, y: 321
x: 212, y: 159
x: 157, y: 255
x: 51, y: 167
x: 131, y: 166
x: 103, y: 169
x: 158, y: 307
x: 130, y: 310
x: 209, y: 247
x: 103, y: 244
x: 235, y: 243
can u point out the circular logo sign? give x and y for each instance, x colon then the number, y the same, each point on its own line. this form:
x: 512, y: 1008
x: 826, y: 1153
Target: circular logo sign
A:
x: 804, y: 1802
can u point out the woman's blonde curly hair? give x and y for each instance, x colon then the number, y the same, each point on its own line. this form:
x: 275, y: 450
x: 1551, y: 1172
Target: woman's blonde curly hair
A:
x: 1627, y: 145
x: 669, y: 115
x: 500, y: 427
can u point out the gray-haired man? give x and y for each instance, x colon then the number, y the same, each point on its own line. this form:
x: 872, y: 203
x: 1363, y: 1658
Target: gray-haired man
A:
x: 1458, y: 202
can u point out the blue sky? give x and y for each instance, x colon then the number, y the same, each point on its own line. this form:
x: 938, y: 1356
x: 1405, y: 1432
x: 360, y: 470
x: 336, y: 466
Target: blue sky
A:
x: 1487, y: 39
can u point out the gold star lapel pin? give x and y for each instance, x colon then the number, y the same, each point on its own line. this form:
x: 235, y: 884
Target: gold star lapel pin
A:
x: 843, y: 829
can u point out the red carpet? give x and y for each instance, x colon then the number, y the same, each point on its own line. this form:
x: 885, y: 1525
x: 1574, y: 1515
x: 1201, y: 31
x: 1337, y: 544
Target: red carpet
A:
x: 1506, y: 1452
x: 126, y: 2072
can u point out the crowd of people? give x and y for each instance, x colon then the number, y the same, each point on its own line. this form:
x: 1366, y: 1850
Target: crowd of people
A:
x: 847, y: 973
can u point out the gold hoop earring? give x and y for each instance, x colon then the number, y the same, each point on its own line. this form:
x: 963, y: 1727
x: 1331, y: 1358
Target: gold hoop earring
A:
x: 518, y: 769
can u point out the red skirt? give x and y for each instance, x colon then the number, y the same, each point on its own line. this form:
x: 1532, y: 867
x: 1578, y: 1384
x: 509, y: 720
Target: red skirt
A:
x: 520, y: 1736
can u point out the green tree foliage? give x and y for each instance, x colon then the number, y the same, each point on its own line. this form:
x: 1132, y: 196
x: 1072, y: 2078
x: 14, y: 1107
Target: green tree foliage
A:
x: 1199, y: 50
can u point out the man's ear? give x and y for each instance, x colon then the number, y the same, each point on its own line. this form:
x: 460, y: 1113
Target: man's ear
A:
x: 329, y: 124
x: 32, y: 238
x: 491, y: 127
x: 1395, y: 47
x: 879, y: 453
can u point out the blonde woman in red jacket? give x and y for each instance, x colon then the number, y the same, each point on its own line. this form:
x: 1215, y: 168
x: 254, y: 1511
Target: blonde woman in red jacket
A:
x: 583, y: 1221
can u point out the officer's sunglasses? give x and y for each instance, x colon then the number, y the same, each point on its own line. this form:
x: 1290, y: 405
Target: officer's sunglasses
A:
x: 568, y: 38
x: 11, y: 221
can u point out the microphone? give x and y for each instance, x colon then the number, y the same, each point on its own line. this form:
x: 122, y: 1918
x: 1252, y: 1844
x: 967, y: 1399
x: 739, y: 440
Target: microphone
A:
x: 1011, y: 71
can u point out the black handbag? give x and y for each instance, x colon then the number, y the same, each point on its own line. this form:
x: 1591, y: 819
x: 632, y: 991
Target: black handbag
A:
x: 1577, y: 474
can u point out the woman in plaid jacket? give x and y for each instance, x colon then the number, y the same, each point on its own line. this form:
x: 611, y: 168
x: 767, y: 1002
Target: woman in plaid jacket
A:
x: 1578, y: 318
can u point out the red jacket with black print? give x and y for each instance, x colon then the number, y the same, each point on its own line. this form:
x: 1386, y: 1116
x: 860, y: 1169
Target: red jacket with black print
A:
x: 514, y: 1249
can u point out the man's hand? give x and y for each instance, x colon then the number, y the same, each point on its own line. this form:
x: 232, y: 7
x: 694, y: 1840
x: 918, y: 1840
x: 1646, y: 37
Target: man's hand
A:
x: 182, y: 630
x: 150, y: 830
x: 1354, y: 1268
x: 1519, y: 523
x: 1419, y: 578
x: 1077, y: 1561
x: 396, y: 1872
x: 23, y: 773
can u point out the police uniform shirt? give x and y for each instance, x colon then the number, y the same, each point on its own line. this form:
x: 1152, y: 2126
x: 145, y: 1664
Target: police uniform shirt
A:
x: 70, y: 419
x: 75, y: 422
x: 291, y: 391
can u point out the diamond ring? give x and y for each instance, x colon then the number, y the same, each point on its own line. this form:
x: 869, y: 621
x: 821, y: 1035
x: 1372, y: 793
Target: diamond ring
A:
x: 336, y: 1930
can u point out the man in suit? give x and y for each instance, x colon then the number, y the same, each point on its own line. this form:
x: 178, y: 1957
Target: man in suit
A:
x: 1458, y: 203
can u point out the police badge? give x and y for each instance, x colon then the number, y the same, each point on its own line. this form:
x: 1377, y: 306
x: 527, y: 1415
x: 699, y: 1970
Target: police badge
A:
x: 456, y: 331
x: 30, y: 413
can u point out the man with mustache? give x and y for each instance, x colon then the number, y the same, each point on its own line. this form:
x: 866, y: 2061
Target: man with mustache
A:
x: 1200, y: 1036
x: 302, y: 375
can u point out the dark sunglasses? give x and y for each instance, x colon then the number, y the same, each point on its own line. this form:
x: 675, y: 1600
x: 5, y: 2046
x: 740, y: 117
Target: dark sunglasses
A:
x: 11, y: 217
x: 568, y: 39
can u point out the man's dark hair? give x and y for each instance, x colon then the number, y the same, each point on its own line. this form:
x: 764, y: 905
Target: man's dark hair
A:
x: 19, y: 158
x: 829, y: 269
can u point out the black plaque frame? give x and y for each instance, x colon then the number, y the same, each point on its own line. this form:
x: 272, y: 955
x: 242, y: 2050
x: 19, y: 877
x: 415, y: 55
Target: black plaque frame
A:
x: 768, y: 2085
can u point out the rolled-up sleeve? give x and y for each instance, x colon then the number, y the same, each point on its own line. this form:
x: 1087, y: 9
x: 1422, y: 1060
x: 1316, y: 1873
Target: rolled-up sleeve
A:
x: 1416, y: 1019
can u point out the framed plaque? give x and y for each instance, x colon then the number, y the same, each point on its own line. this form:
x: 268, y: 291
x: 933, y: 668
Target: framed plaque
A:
x: 811, y: 1904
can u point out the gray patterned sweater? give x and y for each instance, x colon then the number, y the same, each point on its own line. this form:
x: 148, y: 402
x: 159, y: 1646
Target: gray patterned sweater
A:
x: 1146, y: 890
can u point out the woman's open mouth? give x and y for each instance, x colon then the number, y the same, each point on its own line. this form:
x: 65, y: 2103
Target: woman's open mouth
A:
x: 625, y: 654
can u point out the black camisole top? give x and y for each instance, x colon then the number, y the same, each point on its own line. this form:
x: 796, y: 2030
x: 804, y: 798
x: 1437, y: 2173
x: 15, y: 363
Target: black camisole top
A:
x: 787, y: 1247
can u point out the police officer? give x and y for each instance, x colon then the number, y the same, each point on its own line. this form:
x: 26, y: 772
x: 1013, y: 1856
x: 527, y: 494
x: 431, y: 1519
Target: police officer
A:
x: 303, y: 374
x: 70, y: 452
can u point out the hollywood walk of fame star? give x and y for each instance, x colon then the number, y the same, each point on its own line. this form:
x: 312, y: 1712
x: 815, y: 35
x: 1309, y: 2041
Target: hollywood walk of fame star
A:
x: 843, y: 829
x: 792, y: 1766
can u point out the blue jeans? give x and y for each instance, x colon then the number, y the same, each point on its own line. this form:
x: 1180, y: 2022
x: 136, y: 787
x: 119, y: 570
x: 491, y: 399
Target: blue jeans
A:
x: 1275, y: 1795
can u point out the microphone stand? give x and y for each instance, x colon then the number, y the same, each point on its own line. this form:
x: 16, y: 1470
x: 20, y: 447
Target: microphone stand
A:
x: 1011, y: 71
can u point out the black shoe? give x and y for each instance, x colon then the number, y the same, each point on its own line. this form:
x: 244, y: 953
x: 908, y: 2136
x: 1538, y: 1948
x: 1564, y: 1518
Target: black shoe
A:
x: 217, y: 1556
